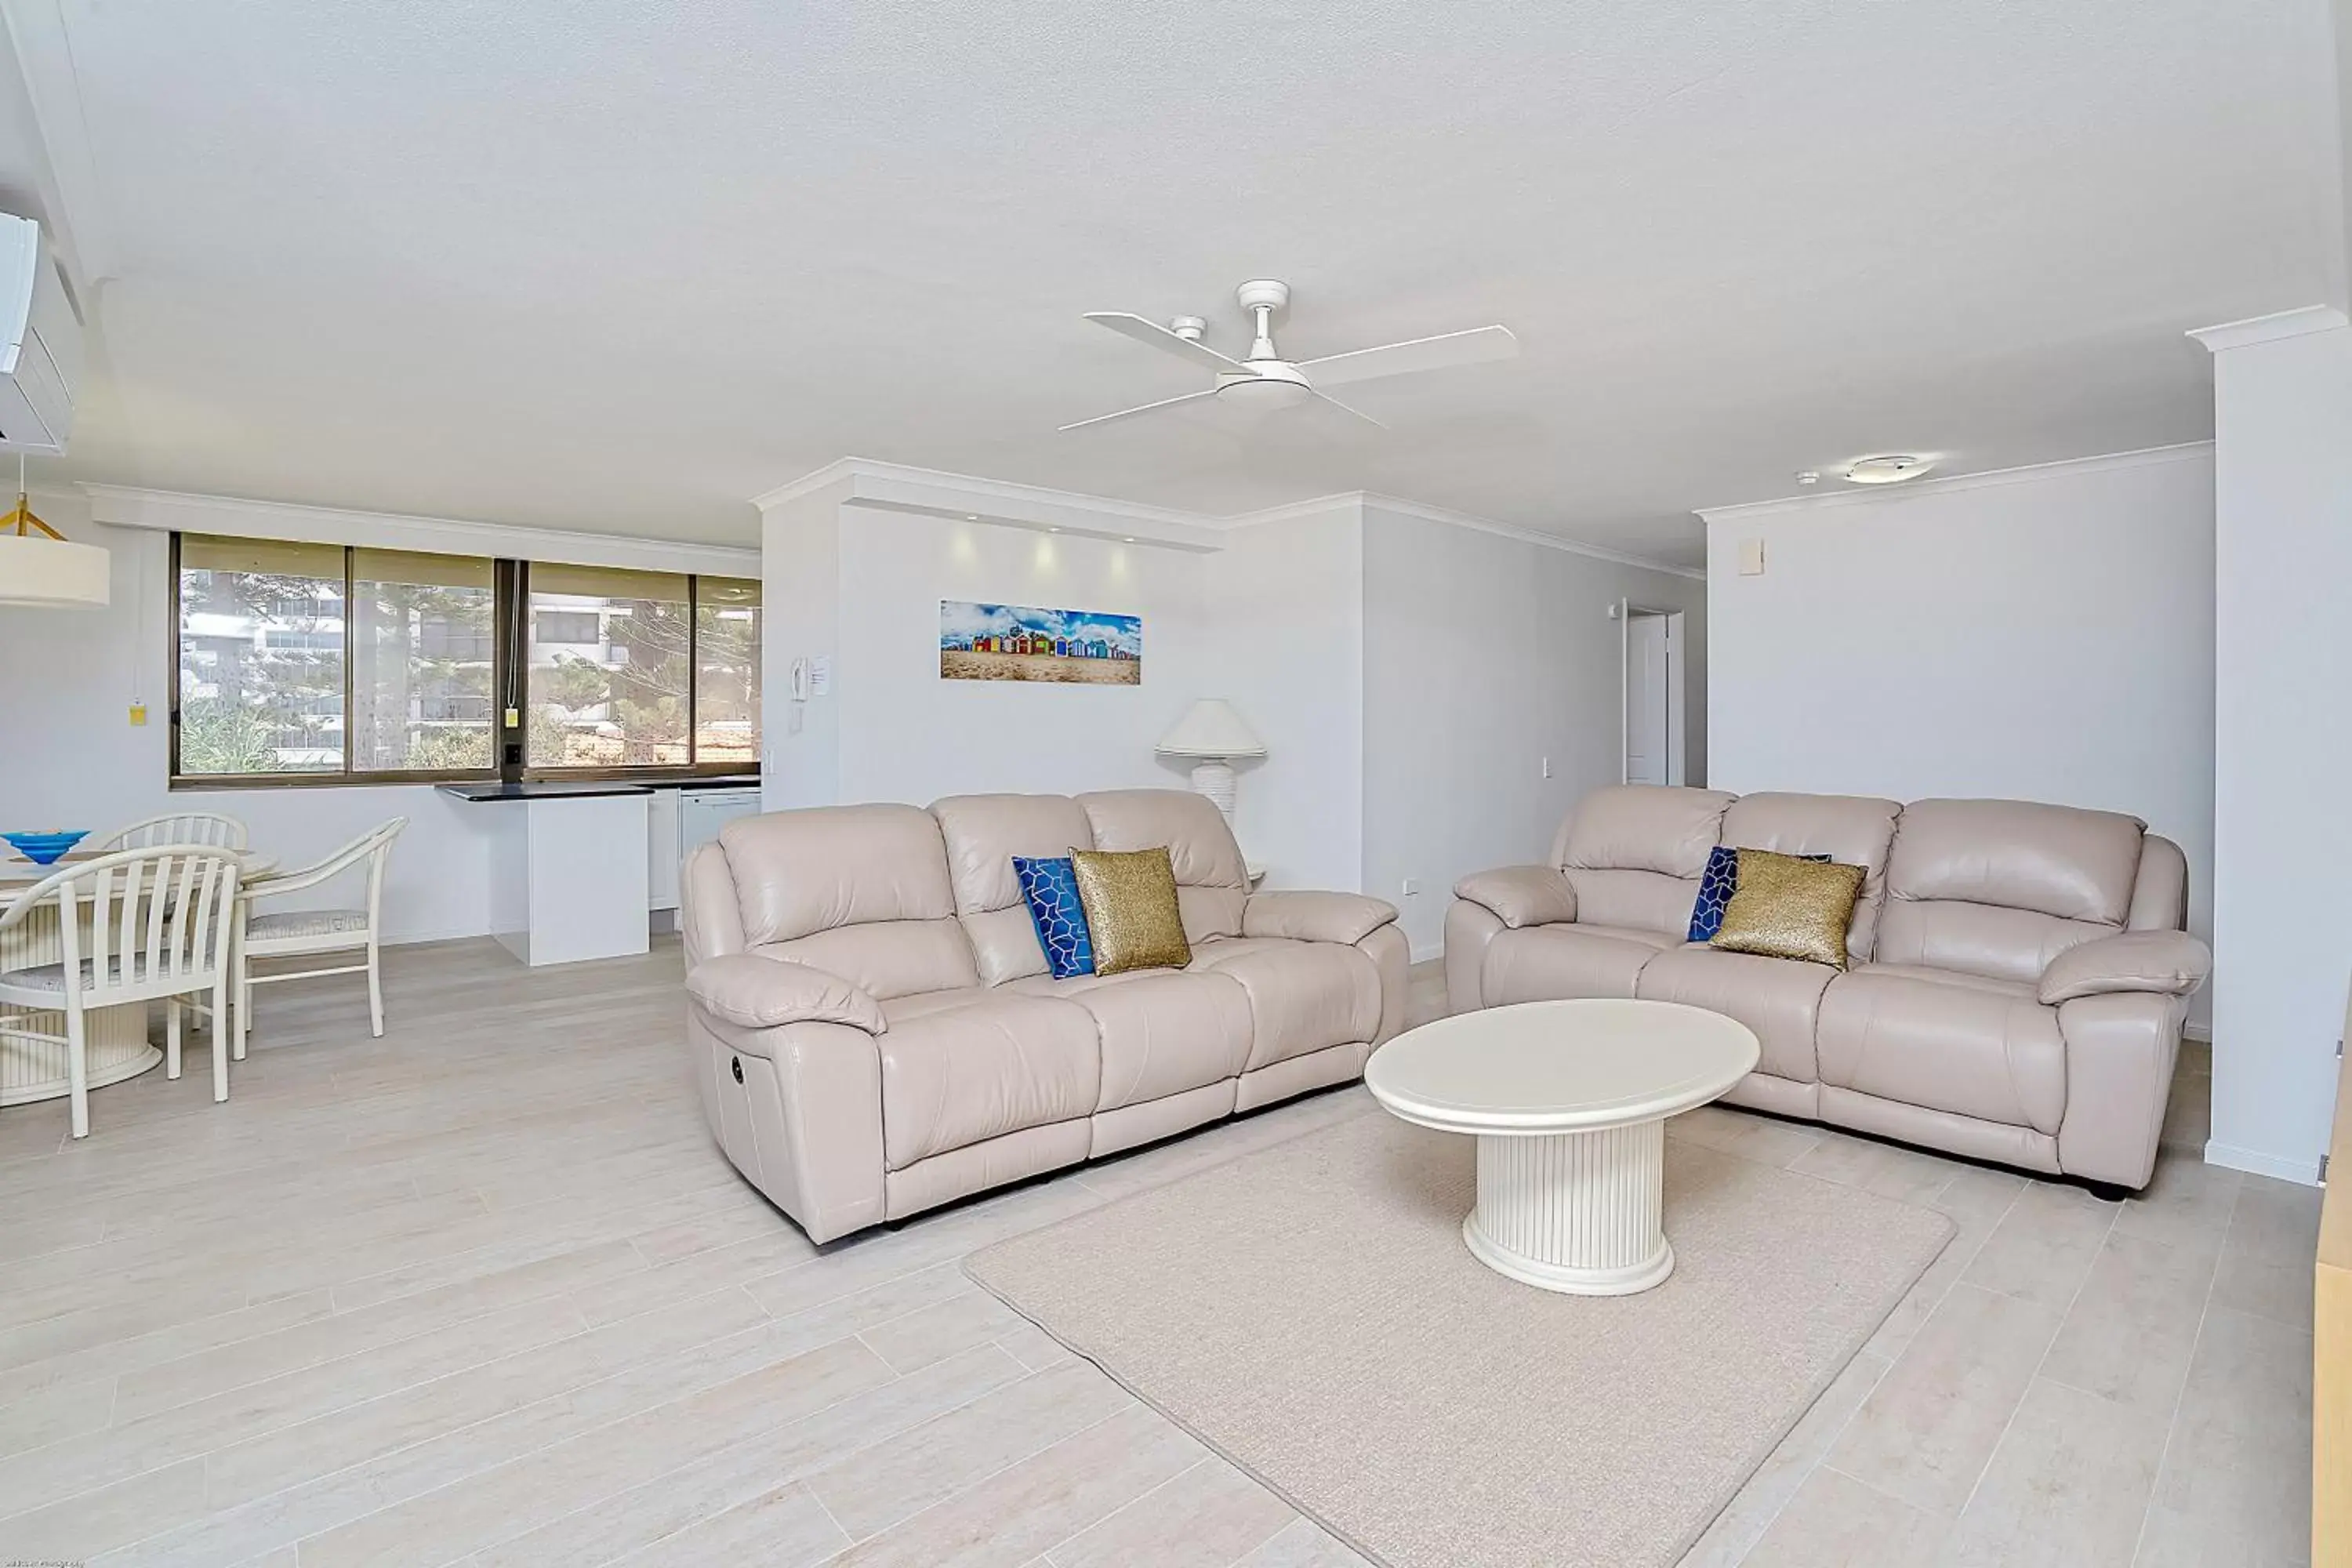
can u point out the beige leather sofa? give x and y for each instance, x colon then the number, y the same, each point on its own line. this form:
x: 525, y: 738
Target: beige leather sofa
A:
x: 2018, y: 982
x: 875, y: 1031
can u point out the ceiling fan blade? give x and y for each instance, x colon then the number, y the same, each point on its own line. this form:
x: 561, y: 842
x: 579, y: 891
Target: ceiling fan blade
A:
x: 1142, y: 408
x: 1473, y: 347
x: 1128, y: 325
x: 1328, y: 412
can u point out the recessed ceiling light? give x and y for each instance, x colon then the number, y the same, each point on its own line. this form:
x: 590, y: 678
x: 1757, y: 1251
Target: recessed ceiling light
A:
x: 1129, y: 540
x: 971, y: 517
x: 1051, y: 529
x: 1891, y: 469
x: 1808, y: 477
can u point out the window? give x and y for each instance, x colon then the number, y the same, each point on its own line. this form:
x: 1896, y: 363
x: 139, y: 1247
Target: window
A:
x: 727, y: 670
x: 325, y: 663
x: 579, y: 626
x: 423, y: 629
x: 261, y: 657
x: 618, y: 697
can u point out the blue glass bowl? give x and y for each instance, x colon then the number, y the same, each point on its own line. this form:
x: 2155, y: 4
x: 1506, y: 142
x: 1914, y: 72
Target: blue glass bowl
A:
x: 41, y: 849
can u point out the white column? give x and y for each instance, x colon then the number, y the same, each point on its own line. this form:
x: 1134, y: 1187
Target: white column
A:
x: 1574, y: 1212
x: 569, y: 877
x: 2283, y: 734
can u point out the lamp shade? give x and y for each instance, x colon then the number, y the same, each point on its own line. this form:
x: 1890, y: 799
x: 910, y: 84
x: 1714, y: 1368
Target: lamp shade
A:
x: 35, y: 570
x: 1211, y: 728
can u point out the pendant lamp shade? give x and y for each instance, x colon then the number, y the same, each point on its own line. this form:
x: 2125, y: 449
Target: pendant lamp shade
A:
x: 36, y: 569
x: 40, y: 566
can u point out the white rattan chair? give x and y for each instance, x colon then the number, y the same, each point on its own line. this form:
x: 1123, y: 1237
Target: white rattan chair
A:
x: 178, y: 828
x: 159, y: 926
x: 300, y: 932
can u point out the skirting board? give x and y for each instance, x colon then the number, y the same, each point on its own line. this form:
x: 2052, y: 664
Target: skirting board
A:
x: 2257, y: 1162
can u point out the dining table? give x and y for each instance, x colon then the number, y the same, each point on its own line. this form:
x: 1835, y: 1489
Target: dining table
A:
x: 115, y: 1038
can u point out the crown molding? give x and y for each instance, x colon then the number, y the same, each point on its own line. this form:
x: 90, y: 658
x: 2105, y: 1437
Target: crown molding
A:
x: 2270, y: 329
x: 1288, y: 511
x: 1527, y: 535
x: 122, y: 506
x: 1879, y: 495
x: 932, y: 492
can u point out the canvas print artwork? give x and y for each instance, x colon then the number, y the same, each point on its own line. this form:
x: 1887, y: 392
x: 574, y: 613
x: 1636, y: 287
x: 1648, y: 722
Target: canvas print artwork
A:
x: 1014, y: 642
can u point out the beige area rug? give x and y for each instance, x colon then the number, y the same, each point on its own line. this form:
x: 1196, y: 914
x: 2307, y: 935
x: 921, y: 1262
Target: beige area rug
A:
x: 1310, y: 1312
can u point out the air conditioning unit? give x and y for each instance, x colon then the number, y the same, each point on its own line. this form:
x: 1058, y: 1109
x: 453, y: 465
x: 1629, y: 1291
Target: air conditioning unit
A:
x: 40, y: 342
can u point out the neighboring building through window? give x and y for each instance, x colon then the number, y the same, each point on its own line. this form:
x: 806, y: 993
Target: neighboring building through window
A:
x: 610, y: 658
x: 261, y: 657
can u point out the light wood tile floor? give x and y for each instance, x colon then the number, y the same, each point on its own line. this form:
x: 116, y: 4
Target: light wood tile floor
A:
x: 481, y: 1292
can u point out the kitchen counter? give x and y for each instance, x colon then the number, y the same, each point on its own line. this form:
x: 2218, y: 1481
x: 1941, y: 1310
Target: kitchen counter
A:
x: 582, y: 789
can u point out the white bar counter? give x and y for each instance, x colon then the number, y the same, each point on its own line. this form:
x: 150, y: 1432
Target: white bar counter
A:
x: 568, y: 872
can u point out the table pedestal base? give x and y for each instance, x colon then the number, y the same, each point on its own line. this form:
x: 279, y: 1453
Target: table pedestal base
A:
x: 1573, y: 1212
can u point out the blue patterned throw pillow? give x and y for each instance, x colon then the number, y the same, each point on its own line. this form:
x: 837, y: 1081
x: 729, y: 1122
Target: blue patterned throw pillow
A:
x: 1715, y: 885
x: 1050, y: 887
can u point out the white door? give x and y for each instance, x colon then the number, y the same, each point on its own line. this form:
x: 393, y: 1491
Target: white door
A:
x: 1646, y: 727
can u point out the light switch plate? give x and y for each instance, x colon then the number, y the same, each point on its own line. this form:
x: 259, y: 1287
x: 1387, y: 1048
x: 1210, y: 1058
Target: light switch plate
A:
x: 1751, y: 557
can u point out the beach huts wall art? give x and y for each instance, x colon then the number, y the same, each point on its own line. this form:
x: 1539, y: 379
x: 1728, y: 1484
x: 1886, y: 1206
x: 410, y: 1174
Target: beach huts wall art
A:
x: 1015, y: 642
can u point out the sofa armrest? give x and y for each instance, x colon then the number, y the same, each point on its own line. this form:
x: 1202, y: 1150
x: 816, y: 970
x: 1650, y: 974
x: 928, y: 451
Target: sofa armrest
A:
x: 755, y: 993
x: 2165, y: 963
x: 1315, y: 917
x: 1521, y: 895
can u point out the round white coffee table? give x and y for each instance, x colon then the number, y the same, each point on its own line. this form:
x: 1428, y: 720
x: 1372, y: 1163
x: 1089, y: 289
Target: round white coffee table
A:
x: 1569, y: 1101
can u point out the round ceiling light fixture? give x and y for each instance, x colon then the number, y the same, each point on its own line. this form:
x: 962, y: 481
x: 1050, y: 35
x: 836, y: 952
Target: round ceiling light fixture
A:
x: 1267, y: 389
x: 1889, y: 469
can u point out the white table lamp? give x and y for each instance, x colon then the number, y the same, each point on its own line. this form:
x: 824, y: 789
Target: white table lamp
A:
x: 1211, y: 731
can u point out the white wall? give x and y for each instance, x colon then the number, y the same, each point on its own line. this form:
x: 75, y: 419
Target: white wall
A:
x: 907, y: 734
x: 800, y: 595
x: 860, y: 585
x: 2045, y: 633
x: 2344, y: 143
x: 2282, y: 425
x: 1289, y: 598
x: 1484, y: 654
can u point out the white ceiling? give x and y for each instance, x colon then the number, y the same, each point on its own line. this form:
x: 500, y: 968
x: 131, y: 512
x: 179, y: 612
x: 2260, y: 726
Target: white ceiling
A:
x: 621, y: 266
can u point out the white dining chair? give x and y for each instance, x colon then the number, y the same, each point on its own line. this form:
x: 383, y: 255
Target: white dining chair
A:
x: 159, y: 926
x: 210, y: 827
x: 301, y: 932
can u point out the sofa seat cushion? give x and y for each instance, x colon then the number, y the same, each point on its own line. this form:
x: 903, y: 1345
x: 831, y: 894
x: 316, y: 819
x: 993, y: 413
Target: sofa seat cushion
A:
x: 1558, y: 963
x: 980, y: 1066
x: 1162, y: 1032
x: 1303, y: 996
x: 1944, y: 1044
x: 1779, y: 998
x: 897, y: 1010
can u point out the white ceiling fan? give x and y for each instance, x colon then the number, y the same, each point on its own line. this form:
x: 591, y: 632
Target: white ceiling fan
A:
x: 1263, y: 380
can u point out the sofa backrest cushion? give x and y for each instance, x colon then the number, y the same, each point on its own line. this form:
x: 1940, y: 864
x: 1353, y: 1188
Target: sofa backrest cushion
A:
x: 860, y: 891
x: 2000, y: 888
x: 983, y: 833
x: 2160, y: 894
x: 1853, y: 830
x: 1212, y: 882
x: 1634, y: 854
